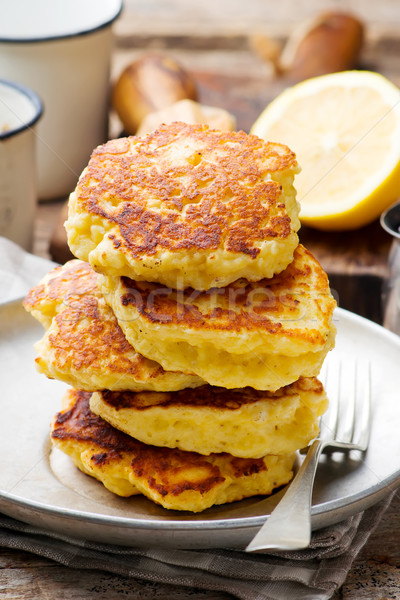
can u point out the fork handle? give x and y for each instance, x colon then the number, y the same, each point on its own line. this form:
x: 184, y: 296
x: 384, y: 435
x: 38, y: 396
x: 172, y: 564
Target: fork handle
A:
x: 289, y: 525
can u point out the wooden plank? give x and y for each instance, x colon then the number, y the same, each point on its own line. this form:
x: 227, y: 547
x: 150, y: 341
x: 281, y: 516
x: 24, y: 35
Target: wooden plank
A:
x: 239, y: 80
x: 375, y: 574
x: 233, y: 17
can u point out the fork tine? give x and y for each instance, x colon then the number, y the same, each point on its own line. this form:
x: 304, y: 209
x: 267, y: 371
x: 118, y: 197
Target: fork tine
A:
x: 348, y: 409
x: 329, y: 421
x: 366, y: 412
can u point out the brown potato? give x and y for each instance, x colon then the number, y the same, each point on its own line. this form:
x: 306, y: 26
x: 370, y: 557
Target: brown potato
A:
x: 188, y: 111
x: 329, y: 44
x: 147, y: 85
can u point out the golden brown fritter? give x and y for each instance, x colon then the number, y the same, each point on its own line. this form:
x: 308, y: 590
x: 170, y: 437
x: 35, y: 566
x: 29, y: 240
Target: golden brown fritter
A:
x: 173, y: 478
x: 60, y: 287
x: 186, y: 206
x: 243, y: 422
x: 265, y: 334
x: 84, y: 345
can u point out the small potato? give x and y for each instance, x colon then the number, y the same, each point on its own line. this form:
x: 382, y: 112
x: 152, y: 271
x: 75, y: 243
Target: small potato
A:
x: 188, y: 111
x: 149, y: 84
x: 327, y: 43
x: 330, y: 43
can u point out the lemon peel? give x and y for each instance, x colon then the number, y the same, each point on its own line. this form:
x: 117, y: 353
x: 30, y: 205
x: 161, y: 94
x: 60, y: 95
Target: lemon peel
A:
x: 345, y: 130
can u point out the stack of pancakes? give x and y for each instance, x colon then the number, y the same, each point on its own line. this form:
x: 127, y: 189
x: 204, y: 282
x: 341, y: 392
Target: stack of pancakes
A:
x: 192, y: 325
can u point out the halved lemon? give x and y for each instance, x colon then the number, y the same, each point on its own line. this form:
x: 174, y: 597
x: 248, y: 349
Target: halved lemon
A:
x: 345, y: 130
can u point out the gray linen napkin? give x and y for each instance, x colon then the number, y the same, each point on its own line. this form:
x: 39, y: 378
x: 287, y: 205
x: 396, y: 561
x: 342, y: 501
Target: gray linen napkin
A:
x: 312, y: 574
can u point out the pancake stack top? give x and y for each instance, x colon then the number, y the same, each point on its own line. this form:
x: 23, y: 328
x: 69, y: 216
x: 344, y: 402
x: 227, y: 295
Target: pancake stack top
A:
x: 192, y: 325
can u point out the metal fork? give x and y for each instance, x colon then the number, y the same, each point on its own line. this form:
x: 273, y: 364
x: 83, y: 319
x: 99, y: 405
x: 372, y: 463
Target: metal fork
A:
x: 346, y: 427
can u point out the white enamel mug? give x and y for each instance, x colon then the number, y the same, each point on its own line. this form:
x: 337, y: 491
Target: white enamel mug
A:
x: 20, y: 110
x: 62, y: 49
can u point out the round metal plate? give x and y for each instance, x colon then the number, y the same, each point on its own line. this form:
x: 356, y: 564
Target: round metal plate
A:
x: 44, y: 489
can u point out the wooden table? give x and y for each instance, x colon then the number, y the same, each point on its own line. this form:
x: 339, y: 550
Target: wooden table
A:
x: 229, y: 74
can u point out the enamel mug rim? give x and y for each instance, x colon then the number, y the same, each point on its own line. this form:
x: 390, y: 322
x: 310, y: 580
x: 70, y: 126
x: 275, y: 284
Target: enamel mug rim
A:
x: 34, y: 99
x: 110, y: 10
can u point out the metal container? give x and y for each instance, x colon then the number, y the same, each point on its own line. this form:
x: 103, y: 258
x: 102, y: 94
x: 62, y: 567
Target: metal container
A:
x: 20, y: 111
x: 390, y: 221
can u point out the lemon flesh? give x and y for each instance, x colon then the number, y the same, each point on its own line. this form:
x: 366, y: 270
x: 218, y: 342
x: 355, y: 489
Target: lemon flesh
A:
x: 345, y: 130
